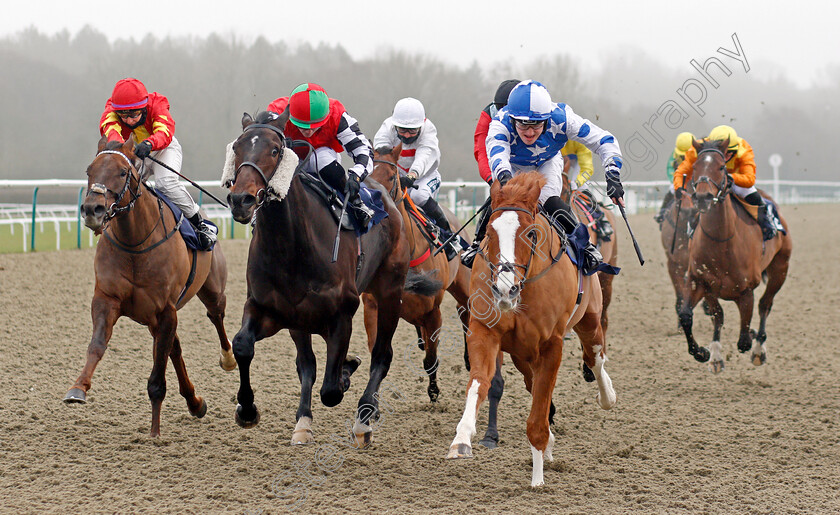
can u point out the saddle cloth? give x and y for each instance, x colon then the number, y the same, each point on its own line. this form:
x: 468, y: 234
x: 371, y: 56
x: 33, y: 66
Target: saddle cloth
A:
x: 186, y: 229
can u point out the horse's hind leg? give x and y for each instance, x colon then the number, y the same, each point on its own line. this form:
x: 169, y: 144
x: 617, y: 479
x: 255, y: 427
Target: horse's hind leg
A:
x: 214, y: 300
x: 776, y: 275
x: 716, y: 362
x: 593, y: 344
x: 431, y: 331
x: 606, y: 294
x: 163, y: 331
x: 195, y: 404
x: 686, y: 314
x: 104, y: 312
x: 494, y: 395
x: 746, y: 303
x: 305, y: 364
x: 539, y: 433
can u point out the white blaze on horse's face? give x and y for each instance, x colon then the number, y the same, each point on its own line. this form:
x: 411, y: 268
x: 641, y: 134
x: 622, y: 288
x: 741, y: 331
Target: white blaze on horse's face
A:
x: 506, y: 226
x: 254, y: 140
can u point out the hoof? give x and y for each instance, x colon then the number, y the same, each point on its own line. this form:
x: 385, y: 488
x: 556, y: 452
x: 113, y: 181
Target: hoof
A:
x: 434, y: 392
x: 716, y: 367
x: 302, y: 437
x: 459, y: 451
x: 246, y: 424
x: 588, y: 375
x: 759, y: 359
x: 75, y: 396
x: 227, y: 361
x: 362, y: 440
x: 489, y: 442
x: 201, y: 411
x: 702, y: 355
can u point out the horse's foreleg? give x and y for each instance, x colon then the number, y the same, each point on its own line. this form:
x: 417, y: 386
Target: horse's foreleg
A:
x: 163, y: 330
x: 305, y: 364
x: 431, y: 336
x: 593, y: 344
x: 215, y: 301
x: 484, y: 350
x: 746, y: 303
x: 494, y: 395
x: 195, y: 403
x: 686, y: 314
x: 606, y: 294
x: 539, y: 433
x: 104, y: 312
x: 716, y: 362
x: 255, y: 326
x: 370, y: 316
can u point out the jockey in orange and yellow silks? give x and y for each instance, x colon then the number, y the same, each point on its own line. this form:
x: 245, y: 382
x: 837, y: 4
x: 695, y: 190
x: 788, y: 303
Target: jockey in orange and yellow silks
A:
x: 682, y: 145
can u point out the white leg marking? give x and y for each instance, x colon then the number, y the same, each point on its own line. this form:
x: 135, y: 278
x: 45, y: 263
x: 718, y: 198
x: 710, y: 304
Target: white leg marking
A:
x: 226, y: 359
x: 505, y: 227
x: 606, y: 394
x: 466, y: 427
x: 758, y: 353
x: 549, y: 447
x: 716, y: 357
x: 303, y: 432
x: 537, y: 478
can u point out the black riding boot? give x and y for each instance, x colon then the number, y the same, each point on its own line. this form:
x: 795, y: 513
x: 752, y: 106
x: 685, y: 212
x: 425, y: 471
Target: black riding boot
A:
x: 206, y: 233
x: 669, y: 197
x: 560, y: 211
x: 433, y: 209
x: 468, y: 256
x: 334, y: 175
x: 768, y: 229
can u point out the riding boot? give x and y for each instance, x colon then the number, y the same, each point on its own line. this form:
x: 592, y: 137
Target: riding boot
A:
x: 560, y: 211
x: 468, y: 256
x: 335, y: 176
x: 604, y: 228
x: 669, y: 197
x: 768, y: 229
x: 206, y: 233
x: 433, y: 209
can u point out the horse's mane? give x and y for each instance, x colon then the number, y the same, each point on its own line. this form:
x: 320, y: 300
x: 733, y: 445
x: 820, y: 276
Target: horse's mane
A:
x: 711, y: 144
x: 113, y: 145
x: 520, y: 191
x: 382, y: 151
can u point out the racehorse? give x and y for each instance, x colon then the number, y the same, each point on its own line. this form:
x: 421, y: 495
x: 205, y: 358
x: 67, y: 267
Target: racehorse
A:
x: 422, y: 311
x: 292, y: 283
x: 145, y: 271
x: 728, y: 257
x: 525, y: 293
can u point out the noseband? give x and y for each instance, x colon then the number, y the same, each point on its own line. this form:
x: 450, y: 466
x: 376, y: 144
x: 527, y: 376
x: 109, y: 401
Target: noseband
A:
x: 507, y: 266
x: 261, y: 194
x: 393, y: 190
x: 722, y: 187
x: 101, y: 189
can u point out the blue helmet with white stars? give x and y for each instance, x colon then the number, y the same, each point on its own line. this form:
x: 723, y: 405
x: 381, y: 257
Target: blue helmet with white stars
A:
x: 529, y: 100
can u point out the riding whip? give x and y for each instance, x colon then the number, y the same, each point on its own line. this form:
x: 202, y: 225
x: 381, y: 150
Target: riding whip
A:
x: 676, y: 222
x: 635, y: 243
x: 454, y: 234
x: 188, y: 180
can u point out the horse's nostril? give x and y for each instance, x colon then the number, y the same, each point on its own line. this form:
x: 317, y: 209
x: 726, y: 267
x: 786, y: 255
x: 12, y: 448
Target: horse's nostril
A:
x: 99, y: 210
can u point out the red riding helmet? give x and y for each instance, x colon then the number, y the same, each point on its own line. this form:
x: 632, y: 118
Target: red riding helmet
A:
x: 309, y: 106
x: 129, y: 94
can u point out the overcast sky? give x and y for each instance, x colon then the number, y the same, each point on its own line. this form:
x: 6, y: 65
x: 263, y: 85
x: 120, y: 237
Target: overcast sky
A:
x: 795, y: 40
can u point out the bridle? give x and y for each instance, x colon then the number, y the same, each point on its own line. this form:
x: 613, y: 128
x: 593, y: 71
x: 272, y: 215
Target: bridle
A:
x: 722, y: 187
x: 262, y: 193
x: 394, y: 187
x: 100, y: 189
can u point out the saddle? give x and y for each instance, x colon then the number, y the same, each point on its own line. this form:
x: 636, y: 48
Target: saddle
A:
x: 772, y: 212
x: 186, y: 229
x: 433, y: 234
x: 575, y: 245
x: 334, y: 200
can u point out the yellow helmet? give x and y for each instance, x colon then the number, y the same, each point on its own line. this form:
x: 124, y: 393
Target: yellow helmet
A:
x: 684, y: 142
x: 721, y: 132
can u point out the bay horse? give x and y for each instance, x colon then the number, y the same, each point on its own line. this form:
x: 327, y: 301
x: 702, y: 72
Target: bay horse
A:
x: 292, y: 283
x: 421, y: 311
x: 145, y: 271
x: 728, y: 258
x: 524, y: 294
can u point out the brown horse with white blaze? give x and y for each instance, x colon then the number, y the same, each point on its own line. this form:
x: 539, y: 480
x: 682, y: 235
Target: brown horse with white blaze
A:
x: 532, y: 292
x: 422, y: 311
x: 145, y: 271
x: 728, y: 257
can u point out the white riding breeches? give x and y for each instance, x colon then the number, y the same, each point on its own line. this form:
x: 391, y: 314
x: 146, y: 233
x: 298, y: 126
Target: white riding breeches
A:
x: 426, y: 187
x: 168, y: 182
x: 552, y: 170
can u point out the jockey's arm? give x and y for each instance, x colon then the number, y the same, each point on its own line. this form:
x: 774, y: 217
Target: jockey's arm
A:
x: 497, y: 146
x: 427, y: 155
x: 744, y: 173
x: 683, y: 172
x: 356, y: 145
x: 385, y: 136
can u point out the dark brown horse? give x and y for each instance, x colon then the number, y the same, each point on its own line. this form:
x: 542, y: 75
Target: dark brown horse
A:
x: 524, y: 295
x: 144, y: 271
x: 422, y: 311
x: 728, y: 257
x: 293, y: 284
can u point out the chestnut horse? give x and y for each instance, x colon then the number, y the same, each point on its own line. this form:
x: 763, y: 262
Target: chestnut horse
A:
x: 728, y: 257
x: 422, y: 311
x: 293, y: 283
x: 146, y: 272
x: 531, y: 294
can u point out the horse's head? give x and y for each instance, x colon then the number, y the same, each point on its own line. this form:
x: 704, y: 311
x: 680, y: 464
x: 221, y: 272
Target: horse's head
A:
x: 257, y: 153
x: 512, y: 236
x: 710, y: 181
x: 385, y: 170
x: 110, y: 177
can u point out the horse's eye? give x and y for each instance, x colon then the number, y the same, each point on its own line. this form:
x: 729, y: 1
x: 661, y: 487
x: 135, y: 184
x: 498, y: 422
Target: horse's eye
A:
x: 275, y: 151
x: 123, y: 172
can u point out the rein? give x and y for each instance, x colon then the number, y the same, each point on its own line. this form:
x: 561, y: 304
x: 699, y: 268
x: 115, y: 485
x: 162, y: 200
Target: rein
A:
x: 723, y: 189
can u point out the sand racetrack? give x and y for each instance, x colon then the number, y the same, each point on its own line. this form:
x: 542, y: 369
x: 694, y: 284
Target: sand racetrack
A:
x: 680, y: 440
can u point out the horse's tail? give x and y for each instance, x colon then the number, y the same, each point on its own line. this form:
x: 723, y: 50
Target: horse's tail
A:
x: 422, y: 283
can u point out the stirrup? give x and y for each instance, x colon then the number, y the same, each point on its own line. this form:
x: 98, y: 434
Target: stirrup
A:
x: 468, y: 255
x: 591, y: 258
x: 206, y: 235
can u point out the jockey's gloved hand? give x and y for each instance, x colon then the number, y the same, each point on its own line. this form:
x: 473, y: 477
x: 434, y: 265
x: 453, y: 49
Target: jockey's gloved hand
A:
x: 407, y: 181
x: 503, y: 177
x: 614, y: 189
x: 678, y: 193
x: 353, y: 185
x: 143, y: 149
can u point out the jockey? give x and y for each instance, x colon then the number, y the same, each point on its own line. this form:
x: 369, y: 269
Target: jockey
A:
x: 133, y: 110
x: 740, y: 163
x: 418, y: 160
x: 580, y: 170
x: 529, y: 133
x: 325, y: 124
x: 684, y: 142
x: 500, y: 100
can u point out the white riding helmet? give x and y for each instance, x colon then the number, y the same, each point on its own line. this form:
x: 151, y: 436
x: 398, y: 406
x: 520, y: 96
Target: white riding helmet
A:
x: 529, y: 100
x: 409, y: 113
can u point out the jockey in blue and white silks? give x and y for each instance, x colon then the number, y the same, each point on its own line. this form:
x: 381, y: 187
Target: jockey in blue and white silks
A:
x: 528, y: 135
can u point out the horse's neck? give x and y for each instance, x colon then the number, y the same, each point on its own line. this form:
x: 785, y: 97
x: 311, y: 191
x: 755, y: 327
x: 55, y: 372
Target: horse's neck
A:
x: 283, y: 224
x: 719, y: 220
x: 138, y: 222
x: 417, y: 243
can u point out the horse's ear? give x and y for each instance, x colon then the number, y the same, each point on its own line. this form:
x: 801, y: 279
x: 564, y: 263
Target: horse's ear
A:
x: 128, y: 147
x: 697, y: 144
x: 495, y: 190
x: 397, y: 151
x: 101, y: 145
x: 246, y: 120
x: 283, y: 119
x: 536, y: 187
x: 724, y: 145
